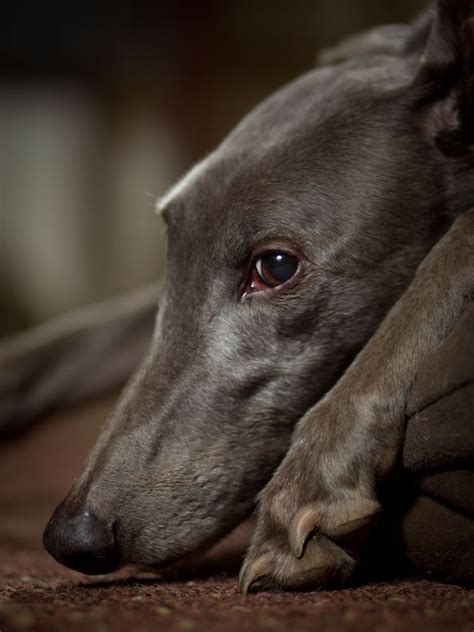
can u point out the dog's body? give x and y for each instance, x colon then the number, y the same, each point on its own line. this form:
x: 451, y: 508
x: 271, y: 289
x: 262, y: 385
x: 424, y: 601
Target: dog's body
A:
x: 293, y: 246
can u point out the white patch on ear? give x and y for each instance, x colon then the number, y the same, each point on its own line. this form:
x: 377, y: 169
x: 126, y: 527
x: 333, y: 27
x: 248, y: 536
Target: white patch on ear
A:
x: 191, y: 176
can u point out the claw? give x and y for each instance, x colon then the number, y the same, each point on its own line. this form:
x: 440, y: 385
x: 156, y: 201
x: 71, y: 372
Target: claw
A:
x: 252, y: 571
x: 348, y: 517
x: 303, y: 525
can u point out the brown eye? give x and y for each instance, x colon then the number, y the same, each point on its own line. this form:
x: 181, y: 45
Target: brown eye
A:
x: 271, y: 270
x: 276, y: 268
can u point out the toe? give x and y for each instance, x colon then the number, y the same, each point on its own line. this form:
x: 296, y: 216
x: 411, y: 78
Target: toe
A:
x: 303, y: 525
x: 254, y: 569
x: 323, y: 564
x: 341, y: 518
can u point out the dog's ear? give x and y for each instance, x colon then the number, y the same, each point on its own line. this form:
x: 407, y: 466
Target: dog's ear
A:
x: 444, y: 85
x: 386, y: 40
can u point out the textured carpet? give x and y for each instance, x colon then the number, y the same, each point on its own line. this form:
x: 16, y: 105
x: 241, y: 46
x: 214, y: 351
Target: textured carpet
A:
x: 38, y: 594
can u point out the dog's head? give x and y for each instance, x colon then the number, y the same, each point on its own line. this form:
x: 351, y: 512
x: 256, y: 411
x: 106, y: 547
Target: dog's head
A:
x: 287, y: 245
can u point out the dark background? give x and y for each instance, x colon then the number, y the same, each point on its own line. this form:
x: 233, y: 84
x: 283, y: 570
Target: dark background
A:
x: 104, y: 104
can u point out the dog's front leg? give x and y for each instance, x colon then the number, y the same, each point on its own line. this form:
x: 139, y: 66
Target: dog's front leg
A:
x: 74, y: 357
x: 326, y: 486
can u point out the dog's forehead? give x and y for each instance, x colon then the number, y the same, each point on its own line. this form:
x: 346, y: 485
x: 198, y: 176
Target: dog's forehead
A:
x: 296, y: 128
x: 263, y: 128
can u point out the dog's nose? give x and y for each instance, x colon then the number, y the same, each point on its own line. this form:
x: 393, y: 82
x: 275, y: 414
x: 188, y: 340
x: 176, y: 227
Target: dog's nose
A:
x: 82, y: 542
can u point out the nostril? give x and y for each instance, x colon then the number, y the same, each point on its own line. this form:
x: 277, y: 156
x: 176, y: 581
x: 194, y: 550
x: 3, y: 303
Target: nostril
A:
x: 82, y: 541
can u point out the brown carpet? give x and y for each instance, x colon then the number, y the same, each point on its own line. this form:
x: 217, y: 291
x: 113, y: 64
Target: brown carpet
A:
x: 38, y: 594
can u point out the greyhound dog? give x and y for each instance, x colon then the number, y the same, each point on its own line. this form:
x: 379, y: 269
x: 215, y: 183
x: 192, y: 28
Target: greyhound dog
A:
x: 315, y: 259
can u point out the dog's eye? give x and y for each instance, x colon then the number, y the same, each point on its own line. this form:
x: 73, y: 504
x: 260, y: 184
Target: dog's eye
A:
x: 275, y: 268
x: 271, y: 270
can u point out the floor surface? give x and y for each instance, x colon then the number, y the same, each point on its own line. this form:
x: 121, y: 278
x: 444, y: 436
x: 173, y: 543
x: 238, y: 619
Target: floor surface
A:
x: 38, y: 594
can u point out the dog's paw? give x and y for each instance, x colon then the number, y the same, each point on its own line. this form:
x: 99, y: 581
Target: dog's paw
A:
x: 312, y: 545
x: 271, y: 562
x: 314, y: 517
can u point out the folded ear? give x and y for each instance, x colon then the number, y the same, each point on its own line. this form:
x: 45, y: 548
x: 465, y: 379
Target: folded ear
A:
x: 387, y: 40
x: 444, y: 85
x: 391, y: 39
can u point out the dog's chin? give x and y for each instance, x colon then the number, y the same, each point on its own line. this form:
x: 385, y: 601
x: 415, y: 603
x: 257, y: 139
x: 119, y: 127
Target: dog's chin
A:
x: 220, y: 553
x: 130, y: 566
x: 190, y: 556
x: 144, y: 558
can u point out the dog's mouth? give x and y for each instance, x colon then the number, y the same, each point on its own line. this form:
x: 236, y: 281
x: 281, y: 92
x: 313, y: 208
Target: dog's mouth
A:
x: 86, y: 543
x: 222, y: 542
x: 223, y: 554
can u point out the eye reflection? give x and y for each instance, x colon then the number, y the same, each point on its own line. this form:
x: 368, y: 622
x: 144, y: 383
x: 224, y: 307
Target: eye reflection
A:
x: 271, y: 270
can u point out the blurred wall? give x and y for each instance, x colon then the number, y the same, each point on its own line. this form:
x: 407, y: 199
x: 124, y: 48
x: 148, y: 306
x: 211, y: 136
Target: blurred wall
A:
x: 104, y: 104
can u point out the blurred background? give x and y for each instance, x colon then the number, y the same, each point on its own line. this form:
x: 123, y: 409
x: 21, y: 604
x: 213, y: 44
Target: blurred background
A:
x: 104, y: 104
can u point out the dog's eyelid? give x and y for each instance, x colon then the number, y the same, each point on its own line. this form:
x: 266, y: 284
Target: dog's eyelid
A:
x: 271, y: 270
x: 266, y: 246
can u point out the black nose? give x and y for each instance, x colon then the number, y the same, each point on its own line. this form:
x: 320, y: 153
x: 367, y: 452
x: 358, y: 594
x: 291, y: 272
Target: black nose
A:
x: 81, y: 541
